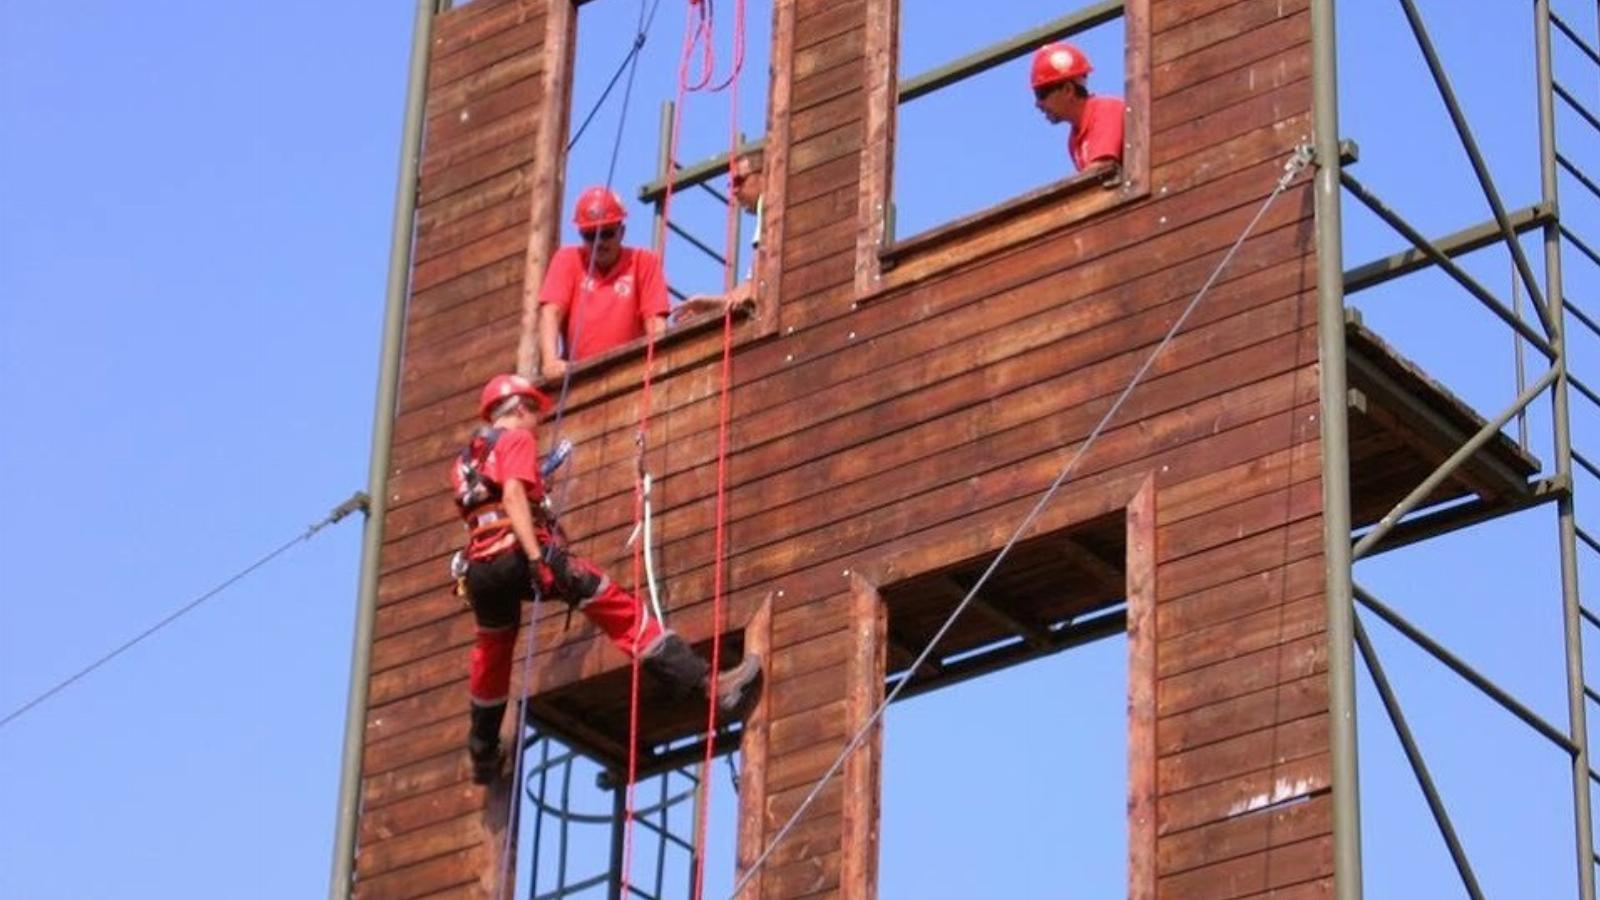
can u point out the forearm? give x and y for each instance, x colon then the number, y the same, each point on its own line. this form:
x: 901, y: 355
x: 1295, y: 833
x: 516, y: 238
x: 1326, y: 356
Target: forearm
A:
x: 656, y: 325
x: 520, y: 508
x: 549, y: 327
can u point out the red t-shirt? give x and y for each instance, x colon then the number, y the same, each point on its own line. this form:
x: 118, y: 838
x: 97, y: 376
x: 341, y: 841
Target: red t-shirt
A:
x: 611, y: 308
x: 1098, y: 135
x: 515, y: 456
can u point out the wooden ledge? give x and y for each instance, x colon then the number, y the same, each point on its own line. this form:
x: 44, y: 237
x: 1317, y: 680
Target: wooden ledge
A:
x: 1004, y: 226
x: 603, y: 376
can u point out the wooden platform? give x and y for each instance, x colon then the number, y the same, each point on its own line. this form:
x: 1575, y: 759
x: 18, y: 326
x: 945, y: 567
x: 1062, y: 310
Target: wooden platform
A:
x: 1403, y: 423
x: 1060, y: 591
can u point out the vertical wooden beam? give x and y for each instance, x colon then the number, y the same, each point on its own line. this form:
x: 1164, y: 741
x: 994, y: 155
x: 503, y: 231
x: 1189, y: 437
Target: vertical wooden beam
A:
x: 775, y: 162
x: 549, y: 168
x: 1136, y: 98
x: 858, y: 864
x: 877, y: 147
x: 753, y: 747
x: 1141, y: 588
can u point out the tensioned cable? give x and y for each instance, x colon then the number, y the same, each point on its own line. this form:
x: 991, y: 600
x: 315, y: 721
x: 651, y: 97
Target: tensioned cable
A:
x: 622, y: 67
x: 1293, y: 167
x: 357, y: 501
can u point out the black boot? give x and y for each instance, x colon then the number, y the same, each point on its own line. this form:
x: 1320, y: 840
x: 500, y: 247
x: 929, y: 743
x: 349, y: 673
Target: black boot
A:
x: 483, y: 743
x: 671, y: 661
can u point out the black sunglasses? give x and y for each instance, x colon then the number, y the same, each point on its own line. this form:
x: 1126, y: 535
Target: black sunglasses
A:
x: 738, y: 180
x: 599, y: 234
x: 1039, y: 93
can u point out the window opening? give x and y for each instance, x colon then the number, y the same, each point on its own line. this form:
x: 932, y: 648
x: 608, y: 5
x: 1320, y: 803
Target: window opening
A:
x: 968, y: 134
x: 637, y: 117
x: 1028, y: 764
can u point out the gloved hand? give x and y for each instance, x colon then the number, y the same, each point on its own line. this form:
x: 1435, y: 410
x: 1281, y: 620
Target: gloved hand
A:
x: 543, y: 578
x: 572, y: 582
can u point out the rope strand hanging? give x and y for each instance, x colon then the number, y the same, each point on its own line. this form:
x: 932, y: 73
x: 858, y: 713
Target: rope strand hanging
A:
x: 631, y: 64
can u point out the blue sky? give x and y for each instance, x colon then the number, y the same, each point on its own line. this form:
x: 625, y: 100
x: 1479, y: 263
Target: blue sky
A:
x: 194, y: 214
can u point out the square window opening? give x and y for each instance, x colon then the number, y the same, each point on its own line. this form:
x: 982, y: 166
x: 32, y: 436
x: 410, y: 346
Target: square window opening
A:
x: 973, y: 144
x: 1029, y: 762
x: 620, y: 129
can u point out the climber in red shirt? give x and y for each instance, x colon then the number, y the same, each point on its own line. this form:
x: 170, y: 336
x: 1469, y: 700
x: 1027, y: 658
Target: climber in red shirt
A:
x: 1061, y: 91
x: 598, y: 294
x: 514, y: 554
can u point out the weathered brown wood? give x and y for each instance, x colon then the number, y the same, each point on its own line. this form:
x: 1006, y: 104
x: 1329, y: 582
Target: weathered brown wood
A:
x: 751, y: 827
x: 1225, y: 759
x: 809, y: 60
x: 1293, y: 619
x: 1181, y: 140
x: 880, y: 81
x: 828, y: 21
x: 1251, y: 833
x: 544, y: 215
x: 448, y: 126
x: 482, y: 80
x: 841, y: 77
x: 1250, y: 874
x: 1200, y: 31
x: 1136, y: 98
x: 426, y: 879
x: 1269, y: 787
x: 478, y: 225
x: 1168, y: 14
x: 858, y: 833
x: 1240, y: 675
x: 475, y: 255
x: 1238, y: 50
x: 467, y: 26
x: 523, y: 36
x: 1291, y: 65
x: 1143, y: 652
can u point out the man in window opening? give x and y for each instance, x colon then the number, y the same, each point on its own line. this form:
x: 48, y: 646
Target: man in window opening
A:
x: 598, y: 294
x: 746, y: 184
x: 1061, y: 92
x: 515, y: 553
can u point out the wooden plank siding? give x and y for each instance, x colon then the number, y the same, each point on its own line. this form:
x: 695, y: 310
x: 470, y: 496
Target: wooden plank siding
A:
x: 883, y: 432
x: 425, y: 829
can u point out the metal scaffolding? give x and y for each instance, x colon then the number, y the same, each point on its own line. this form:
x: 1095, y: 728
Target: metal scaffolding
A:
x: 575, y: 850
x: 1404, y: 525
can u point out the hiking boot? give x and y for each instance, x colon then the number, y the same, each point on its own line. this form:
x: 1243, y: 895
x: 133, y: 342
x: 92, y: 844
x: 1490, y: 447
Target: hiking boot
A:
x: 739, y: 687
x: 488, y: 760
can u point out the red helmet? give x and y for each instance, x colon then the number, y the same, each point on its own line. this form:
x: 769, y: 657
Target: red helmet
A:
x: 1056, y: 62
x: 598, y: 207
x: 503, y: 386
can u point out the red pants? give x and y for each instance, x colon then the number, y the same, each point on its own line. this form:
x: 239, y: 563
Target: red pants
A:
x: 498, y: 587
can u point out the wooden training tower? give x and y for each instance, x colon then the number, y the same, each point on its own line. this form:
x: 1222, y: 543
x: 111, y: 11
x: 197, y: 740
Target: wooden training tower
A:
x: 897, y: 408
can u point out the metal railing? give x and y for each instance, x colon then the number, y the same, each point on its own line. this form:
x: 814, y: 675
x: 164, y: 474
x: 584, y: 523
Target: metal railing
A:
x: 555, y: 815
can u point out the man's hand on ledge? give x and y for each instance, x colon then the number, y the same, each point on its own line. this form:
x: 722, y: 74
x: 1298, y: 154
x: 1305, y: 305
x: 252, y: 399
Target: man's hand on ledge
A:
x: 739, y: 300
x: 553, y: 369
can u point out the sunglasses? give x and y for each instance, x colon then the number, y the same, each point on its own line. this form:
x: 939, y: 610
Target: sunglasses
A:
x: 599, y: 234
x: 1039, y: 93
x: 738, y: 180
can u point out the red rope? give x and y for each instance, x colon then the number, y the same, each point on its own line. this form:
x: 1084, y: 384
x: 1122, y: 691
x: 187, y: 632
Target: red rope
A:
x: 698, y: 31
x: 692, y: 30
x: 719, y: 571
